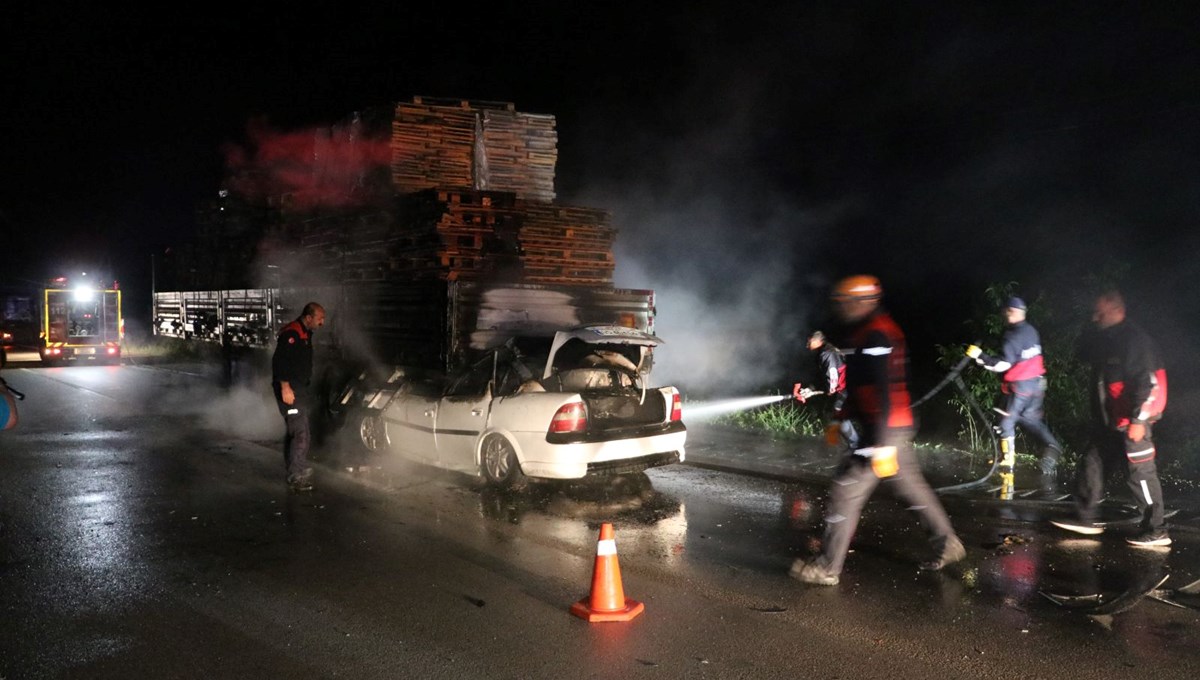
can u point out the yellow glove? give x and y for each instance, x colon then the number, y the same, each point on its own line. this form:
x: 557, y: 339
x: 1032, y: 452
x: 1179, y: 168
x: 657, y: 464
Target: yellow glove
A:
x: 833, y: 433
x: 884, y: 462
x: 974, y: 351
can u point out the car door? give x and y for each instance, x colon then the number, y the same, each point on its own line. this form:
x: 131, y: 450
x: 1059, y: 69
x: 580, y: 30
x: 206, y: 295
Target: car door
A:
x: 462, y: 414
x: 410, y: 419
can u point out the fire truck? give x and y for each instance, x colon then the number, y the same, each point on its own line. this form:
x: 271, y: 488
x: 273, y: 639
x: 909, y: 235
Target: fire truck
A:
x: 80, y: 322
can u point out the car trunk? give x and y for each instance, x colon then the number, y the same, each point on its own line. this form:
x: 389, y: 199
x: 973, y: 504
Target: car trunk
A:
x: 604, y: 366
x: 613, y: 399
x: 609, y: 412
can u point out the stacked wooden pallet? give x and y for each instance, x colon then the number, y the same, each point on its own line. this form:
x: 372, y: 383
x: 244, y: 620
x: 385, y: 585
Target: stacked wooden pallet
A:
x: 460, y: 234
x: 520, y: 151
x: 454, y: 234
x: 566, y: 244
x: 481, y: 145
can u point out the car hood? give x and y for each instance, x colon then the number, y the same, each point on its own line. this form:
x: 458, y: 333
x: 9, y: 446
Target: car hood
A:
x: 614, y: 338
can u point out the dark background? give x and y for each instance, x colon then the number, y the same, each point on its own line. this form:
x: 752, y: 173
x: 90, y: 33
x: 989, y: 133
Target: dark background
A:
x: 750, y: 153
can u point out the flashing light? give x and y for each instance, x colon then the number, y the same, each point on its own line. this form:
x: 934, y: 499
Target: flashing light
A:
x: 84, y: 294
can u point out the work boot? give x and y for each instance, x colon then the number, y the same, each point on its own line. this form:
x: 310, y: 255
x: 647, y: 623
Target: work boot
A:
x: 812, y: 572
x: 953, y: 552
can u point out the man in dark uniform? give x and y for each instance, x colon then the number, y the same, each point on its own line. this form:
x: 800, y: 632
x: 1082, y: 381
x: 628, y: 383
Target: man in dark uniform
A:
x: 1024, y: 385
x: 879, y: 402
x: 1130, y: 395
x: 833, y: 372
x: 291, y: 372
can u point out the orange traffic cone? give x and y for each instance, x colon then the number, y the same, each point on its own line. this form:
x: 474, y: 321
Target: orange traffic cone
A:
x: 607, y: 601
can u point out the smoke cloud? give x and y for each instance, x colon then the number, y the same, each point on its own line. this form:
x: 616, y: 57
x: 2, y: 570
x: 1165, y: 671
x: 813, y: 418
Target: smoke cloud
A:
x: 321, y: 166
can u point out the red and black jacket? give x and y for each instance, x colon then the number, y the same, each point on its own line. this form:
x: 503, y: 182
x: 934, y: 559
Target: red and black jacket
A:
x: 1022, y: 355
x: 833, y: 370
x: 877, y: 380
x: 1131, y: 382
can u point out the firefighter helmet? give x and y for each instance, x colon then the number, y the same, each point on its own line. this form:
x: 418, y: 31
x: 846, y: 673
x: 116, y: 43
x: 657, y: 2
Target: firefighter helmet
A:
x: 860, y: 287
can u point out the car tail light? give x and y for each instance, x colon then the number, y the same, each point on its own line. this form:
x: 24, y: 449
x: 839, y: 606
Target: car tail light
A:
x: 112, y: 350
x: 676, y: 407
x: 571, y: 417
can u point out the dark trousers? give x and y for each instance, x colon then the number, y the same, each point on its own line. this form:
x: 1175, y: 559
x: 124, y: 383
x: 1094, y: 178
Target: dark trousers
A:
x: 853, y: 483
x: 1112, y: 450
x: 1024, y: 408
x: 296, y: 440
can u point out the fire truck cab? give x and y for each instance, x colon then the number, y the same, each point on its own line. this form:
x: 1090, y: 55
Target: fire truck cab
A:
x: 81, y: 323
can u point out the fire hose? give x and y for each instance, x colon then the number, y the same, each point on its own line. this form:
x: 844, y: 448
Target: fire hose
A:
x: 955, y: 377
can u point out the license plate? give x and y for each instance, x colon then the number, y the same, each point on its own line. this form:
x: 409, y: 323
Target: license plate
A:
x: 87, y: 350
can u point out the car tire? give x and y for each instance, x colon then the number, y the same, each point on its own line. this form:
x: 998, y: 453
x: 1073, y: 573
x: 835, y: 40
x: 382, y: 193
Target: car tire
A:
x: 499, y: 465
x: 370, y: 431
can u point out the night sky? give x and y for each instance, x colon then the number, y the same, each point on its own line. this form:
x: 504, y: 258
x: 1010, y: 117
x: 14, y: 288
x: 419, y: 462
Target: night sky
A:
x: 750, y: 153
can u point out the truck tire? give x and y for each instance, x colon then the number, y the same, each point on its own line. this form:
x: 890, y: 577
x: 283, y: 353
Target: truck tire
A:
x: 499, y: 465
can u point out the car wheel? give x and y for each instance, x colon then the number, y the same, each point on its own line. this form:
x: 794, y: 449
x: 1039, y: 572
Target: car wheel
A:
x: 372, y: 436
x: 499, y: 465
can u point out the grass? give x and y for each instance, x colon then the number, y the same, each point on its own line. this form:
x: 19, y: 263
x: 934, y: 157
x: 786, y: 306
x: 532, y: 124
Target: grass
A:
x: 782, y: 419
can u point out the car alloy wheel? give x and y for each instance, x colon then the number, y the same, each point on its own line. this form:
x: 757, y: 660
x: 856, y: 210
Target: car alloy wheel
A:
x: 371, y: 432
x: 499, y: 463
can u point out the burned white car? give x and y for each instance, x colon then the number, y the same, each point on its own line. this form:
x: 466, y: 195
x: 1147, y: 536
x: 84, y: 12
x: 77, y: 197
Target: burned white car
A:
x: 564, y: 407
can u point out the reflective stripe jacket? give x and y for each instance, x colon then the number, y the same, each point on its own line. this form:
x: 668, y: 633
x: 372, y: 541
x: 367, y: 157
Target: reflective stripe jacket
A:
x: 1022, y: 354
x: 293, y: 357
x: 1131, y: 382
x: 877, y: 380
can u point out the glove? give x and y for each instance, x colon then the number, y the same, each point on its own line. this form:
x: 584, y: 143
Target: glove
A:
x: 798, y: 393
x: 974, y: 352
x: 1136, y: 432
x: 833, y: 433
x: 884, y: 462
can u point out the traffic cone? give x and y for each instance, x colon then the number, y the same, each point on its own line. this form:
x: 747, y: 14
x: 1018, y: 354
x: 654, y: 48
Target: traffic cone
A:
x: 607, y: 601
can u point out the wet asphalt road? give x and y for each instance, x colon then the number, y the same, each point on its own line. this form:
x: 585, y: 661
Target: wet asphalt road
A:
x: 147, y: 533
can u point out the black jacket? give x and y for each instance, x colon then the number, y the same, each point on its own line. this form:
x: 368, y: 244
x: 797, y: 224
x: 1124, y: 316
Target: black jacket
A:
x: 293, y: 358
x: 1131, y: 382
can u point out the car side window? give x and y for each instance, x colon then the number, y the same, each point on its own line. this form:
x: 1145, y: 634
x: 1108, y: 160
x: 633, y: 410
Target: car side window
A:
x: 474, y: 382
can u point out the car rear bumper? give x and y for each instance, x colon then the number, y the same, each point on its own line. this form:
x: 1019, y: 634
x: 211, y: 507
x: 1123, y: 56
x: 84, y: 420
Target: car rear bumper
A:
x: 540, y: 458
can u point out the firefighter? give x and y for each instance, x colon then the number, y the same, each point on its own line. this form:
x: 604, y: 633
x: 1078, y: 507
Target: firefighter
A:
x: 833, y: 371
x: 879, y: 402
x: 291, y: 373
x: 1023, y: 382
x: 1130, y: 395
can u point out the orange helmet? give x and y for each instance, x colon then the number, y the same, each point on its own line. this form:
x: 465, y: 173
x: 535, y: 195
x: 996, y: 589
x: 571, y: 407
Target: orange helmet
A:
x: 860, y: 287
